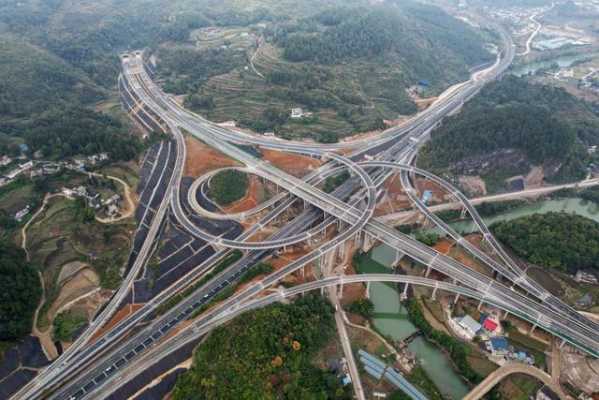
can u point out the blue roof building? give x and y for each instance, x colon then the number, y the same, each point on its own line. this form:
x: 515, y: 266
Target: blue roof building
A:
x: 499, y: 344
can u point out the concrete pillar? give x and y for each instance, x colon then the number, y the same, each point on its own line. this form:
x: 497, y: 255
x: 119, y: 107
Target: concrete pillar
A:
x: 534, y: 326
x: 322, y: 291
x: 404, y: 293
x: 398, y: 257
x: 455, y: 300
x: 341, y: 291
x: 428, y: 271
x: 505, y: 314
x: 480, y: 304
x: 434, y: 296
x: 463, y: 213
x: 368, y: 289
x: 562, y: 343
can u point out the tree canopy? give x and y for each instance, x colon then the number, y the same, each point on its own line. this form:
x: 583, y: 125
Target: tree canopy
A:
x: 265, y: 354
x: 20, y: 292
x: 556, y: 240
x: 545, y: 123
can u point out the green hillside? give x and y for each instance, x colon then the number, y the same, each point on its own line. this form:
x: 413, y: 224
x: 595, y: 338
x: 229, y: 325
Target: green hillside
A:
x: 32, y: 79
x: 543, y: 125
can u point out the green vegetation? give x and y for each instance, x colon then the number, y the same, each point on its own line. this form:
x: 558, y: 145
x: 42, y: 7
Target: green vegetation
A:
x: 265, y: 354
x: 256, y: 270
x: 67, y: 234
x: 228, y: 186
x: 363, y: 307
x: 457, y: 350
x: 24, y: 67
x: 75, y: 130
x: 20, y: 292
x: 399, y: 395
x: 491, y: 209
x: 545, y: 124
x: 428, y: 238
x: 555, y: 240
x: 66, y: 324
x: 333, y: 182
x: 349, y: 66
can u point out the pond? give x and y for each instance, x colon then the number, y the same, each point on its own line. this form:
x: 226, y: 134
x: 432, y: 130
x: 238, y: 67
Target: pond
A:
x: 390, y: 319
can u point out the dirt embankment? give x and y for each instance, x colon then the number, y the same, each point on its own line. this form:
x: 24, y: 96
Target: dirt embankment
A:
x: 201, y: 159
x: 395, y: 198
x: 293, y: 164
x: 116, y: 318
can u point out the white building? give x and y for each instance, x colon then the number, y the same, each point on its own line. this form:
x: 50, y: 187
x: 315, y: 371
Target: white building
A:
x: 5, y: 160
x: 297, y: 112
x: 21, y: 214
x: 469, y: 325
x: 585, y: 277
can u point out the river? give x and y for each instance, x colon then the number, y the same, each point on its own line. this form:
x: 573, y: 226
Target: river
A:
x: 390, y: 318
x: 562, y: 62
x: 569, y: 205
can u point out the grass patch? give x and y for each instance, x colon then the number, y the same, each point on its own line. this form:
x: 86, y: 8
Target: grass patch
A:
x: 66, y: 324
x: 228, y: 186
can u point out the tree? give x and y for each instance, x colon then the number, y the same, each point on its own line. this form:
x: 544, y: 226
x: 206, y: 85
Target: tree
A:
x: 20, y: 292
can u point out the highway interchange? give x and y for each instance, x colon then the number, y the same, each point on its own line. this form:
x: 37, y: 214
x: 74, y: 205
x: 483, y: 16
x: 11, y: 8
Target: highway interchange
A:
x: 98, y: 369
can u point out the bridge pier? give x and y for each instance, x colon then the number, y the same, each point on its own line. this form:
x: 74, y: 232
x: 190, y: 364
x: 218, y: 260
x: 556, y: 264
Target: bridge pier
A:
x: 368, y: 289
x: 434, y: 295
x: 480, y: 304
x: 340, y: 291
x: 505, y: 314
x: 455, y: 300
x: 428, y: 271
x: 404, y: 293
x: 563, y: 342
x: 534, y: 326
x: 398, y: 256
x: 463, y: 213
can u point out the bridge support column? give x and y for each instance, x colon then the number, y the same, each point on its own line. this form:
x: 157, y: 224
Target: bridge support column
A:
x: 428, y: 271
x: 463, y: 213
x: 322, y: 291
x: 368, y: 289
x: 534, y: 326
x: 434, y: 296
x: 505, y: 314
x: 398, y: 256
x: 480, y: 304
x: 404, y: 294
x: 563, y: 342
x: 455, y: 300
x: 340, y: 291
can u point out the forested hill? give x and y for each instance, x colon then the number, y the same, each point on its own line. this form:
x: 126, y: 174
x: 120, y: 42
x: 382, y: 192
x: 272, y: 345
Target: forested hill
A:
x: 546, y: 125
x: 567, y: 242
x: 424, y: 41
x: 33, y: 79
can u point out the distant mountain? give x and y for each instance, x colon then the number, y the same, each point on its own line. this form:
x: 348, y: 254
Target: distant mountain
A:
x: 32, y: 80
x: 512, y: 125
